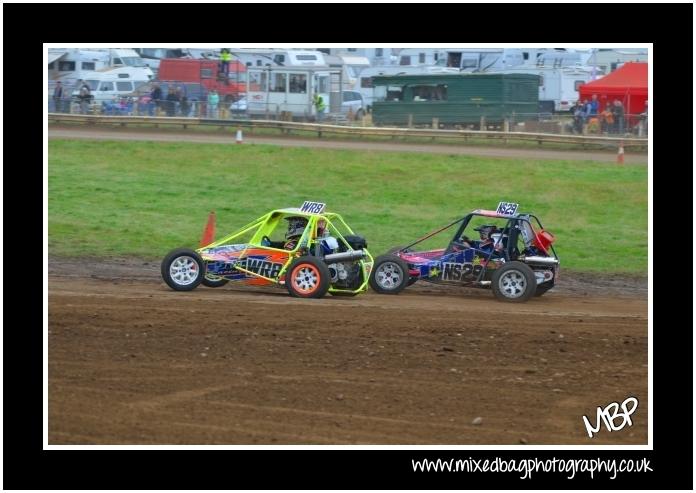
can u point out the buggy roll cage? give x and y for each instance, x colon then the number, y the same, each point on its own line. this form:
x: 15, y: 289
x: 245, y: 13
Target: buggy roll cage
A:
x: 512, y: 229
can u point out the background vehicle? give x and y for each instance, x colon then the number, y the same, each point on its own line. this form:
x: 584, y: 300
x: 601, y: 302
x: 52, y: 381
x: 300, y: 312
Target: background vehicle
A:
x: 353, y: 104
x: 558, y: 86
x: 367, y: 87
x: 334, y: 260
x: 274, y: 91
x: 517, y: 263
x: 113, y: 83
x: 455, y: 99
x: 205, y: 74
x: 71, y: 64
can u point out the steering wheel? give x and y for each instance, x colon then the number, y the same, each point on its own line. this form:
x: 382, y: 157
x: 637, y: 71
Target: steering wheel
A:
x: 462, y: 242
x: 266, y: 240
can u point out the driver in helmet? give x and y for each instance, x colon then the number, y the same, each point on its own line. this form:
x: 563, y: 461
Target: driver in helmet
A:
x: 485, y: 244
x: 296, y: 226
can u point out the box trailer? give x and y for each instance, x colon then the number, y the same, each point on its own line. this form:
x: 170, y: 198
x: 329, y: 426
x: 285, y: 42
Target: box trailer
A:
x: 454, y: 99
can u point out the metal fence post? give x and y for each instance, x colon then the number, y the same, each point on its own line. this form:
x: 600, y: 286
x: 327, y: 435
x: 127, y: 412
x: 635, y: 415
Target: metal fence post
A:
x: 482, y: 123
x: 410, y: 120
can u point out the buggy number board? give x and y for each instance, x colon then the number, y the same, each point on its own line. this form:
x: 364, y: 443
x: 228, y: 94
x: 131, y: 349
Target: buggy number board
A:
x: 507, y: 208
x: 313, y: 207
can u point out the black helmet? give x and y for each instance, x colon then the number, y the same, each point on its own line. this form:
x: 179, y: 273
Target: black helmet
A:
x: 296, y: 226
x: 486, y: 230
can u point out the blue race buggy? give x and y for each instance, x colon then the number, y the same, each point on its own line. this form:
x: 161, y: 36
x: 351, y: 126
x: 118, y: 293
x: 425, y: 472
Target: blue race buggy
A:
x: 514, y: 256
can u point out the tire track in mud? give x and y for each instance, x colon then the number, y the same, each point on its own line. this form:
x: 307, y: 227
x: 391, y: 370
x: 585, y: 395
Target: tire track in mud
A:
x: 133, y: 362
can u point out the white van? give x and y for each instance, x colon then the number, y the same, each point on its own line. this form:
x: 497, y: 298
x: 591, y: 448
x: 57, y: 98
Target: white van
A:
x: 108, y: 84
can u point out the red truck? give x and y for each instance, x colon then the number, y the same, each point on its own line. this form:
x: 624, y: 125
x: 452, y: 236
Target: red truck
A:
x: 207, y: 74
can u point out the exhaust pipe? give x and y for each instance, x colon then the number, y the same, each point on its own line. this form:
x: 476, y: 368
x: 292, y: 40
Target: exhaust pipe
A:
x: 344, y: 256
x: 539, y: 260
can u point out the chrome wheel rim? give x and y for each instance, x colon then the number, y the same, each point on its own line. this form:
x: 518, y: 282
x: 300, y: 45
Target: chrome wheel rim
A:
x: 184, y: 270
x: 512, y: 284
x: 389, y: 275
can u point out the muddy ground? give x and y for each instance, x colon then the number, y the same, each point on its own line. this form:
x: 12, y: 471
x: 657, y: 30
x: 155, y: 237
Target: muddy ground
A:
x: 132, y: 362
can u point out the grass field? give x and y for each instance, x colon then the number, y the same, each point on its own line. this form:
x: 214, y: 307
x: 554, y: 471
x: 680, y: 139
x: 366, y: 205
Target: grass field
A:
x: 145, y: 198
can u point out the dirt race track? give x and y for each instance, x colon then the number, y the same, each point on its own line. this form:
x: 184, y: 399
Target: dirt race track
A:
x: 132, y: 362
x: 160, y: 135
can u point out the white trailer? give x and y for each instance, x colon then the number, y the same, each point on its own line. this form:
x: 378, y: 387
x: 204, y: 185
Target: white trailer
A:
x: 71, y: 64
x: 558, y: 87
x: 274, y: 57
x: 464, y: 59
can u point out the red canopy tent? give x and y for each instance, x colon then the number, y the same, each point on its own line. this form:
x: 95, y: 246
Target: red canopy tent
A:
x: 628, y: 83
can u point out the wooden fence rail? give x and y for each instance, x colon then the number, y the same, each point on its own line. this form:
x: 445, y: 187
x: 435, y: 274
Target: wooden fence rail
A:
x: 320, y: 129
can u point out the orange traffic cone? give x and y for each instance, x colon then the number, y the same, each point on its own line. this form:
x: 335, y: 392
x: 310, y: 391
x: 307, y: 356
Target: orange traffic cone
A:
x: 209, y: 231
x: 239, y: 136
x: 620, y: 155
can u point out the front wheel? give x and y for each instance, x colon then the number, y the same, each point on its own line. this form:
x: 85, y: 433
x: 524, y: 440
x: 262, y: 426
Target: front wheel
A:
x: 307, y: 277
x: 182, y: 269
x: 514, y: 282
x: 389, y: 274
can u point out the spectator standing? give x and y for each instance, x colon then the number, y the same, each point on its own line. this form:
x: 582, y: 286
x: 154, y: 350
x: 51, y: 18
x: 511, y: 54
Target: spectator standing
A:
x: 320, y: 106
x: 644, y: 119
x: 594, y: 107
x: 213, y: 101
x: 585, y: 109
x: 155, y: 98
x: 183, y: 102
x: 619, y: 116
x: 578, y: 118
x: 225, y: 58
x: 58, y: 97
x: 172, y: 101
x: 85, y: 97
x: 591, y: 115
x: 607, y: 118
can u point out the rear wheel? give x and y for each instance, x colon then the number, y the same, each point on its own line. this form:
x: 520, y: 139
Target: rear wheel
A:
x: 514, y: 282
x: 307, y: 277
x: 182, y: 269
x: 389, y: 275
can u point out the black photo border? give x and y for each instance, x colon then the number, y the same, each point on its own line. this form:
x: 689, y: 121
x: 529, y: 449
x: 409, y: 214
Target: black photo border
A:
x: 28, y: 466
